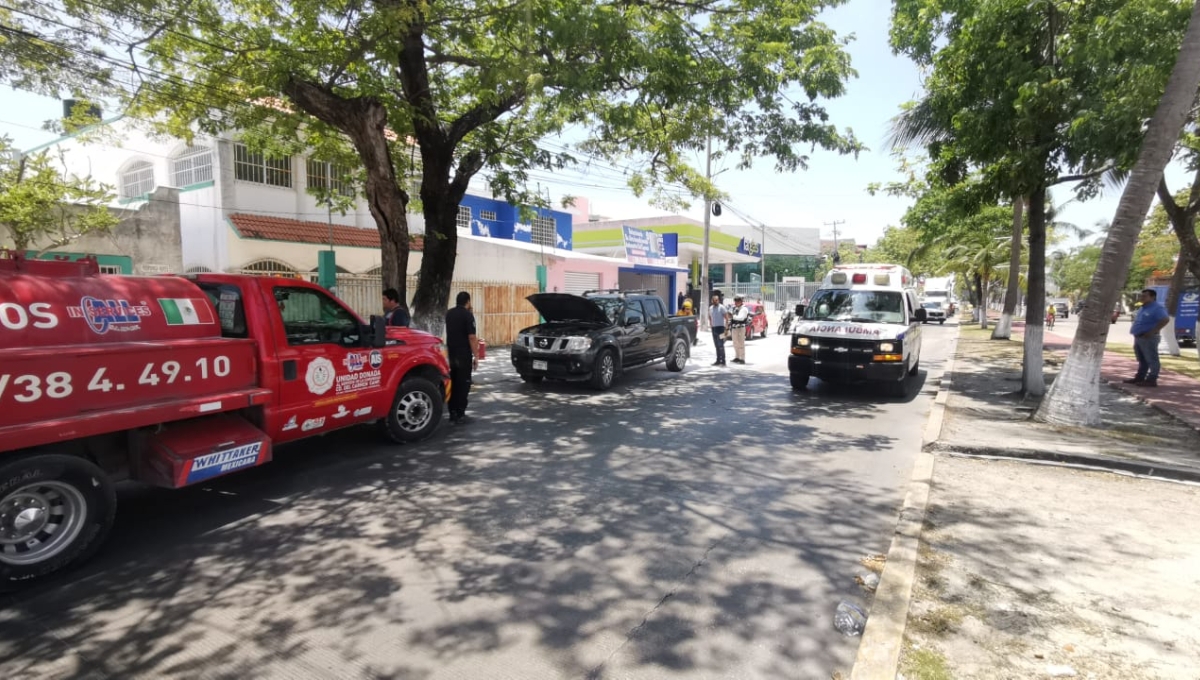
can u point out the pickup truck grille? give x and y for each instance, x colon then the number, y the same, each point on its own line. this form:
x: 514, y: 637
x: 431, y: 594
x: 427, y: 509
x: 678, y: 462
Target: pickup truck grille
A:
x: 543, y: 343
x: 838, y: 351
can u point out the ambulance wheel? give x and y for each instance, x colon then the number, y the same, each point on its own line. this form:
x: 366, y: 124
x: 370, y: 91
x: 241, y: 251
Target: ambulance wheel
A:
x: 799, y: 381
x: 416, y: 411
x: 915, y: 367
x: 55, y: 511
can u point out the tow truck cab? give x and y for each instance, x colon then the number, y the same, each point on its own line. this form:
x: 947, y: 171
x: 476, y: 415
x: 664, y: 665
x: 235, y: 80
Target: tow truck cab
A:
x: 863, y: 324
x: 173, y: 381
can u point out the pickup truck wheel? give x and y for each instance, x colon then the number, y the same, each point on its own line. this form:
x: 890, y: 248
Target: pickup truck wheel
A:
x: 679, y: 355
x: 416, y: 411
x: 799, y: 381
x: 55, y: 510
x: 605, y: 372
x: 530, y: 378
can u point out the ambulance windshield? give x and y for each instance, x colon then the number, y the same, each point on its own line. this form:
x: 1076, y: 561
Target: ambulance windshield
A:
x: 862, y: 306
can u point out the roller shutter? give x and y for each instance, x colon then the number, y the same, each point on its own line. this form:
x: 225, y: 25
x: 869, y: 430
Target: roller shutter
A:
x: 577, y: 283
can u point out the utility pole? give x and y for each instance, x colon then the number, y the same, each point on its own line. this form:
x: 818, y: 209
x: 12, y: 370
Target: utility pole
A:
x: 705, y: 290
x: 762, y: 261
x: 836, y: 257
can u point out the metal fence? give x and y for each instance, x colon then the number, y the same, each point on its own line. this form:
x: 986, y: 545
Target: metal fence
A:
x: 775, y: 296
x: 501, y: 309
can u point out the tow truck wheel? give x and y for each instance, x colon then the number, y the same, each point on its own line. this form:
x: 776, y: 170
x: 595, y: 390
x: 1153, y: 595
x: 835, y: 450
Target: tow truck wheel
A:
x: 55, y: 510
x: 416, y: 411
x: 799, y: 381
x: 679, y: 355
x: 605, y: 372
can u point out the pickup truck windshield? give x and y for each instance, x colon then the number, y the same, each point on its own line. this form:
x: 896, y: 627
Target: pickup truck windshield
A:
x: 864, y: 306
x: 610, y: 306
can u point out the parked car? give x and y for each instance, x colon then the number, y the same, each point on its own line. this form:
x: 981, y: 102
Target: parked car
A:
x: 934, y: 311
x: 596, y: 336
x: 758, y: 321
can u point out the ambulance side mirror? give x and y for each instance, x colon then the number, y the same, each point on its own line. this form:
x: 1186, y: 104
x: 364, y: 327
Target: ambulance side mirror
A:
x: 921, y: 315
x: 800, y: 310
x: 377, y: 334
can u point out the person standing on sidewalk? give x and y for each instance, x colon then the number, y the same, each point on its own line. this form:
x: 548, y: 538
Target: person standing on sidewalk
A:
x: 462, y: 348
x: 1150, y: 319
x: 718, y: 318
x: 738, y: 319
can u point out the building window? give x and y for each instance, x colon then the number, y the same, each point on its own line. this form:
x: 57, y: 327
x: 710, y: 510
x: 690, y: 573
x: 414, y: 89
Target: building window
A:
x: 330, y: 177
x: 464, y: 217
x: 137, y: 180
x: 192, y: 166
x: 111, y: 269
x: 487, y: 215
x: 253, y: 166
x: 544, y: 231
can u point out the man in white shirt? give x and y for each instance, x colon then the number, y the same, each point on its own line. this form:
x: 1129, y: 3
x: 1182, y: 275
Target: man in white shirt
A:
x: 718, y: 317
x: 739, y: 318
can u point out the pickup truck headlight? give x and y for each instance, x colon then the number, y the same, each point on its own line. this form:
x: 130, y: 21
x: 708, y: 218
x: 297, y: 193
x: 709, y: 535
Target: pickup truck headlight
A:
x: 523, y: 339
x: 886, y: 347
x: 578, y: 344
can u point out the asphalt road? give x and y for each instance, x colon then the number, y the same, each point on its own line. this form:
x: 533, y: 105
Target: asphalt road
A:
x: 693, y: 525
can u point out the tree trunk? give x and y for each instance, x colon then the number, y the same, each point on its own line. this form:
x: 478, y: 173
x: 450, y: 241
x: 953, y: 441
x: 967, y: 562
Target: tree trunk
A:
x: 985, y: 282
x: 364, y: 121
x: 980, y: 303
x: 1075, y: 397
x: 1003, y: 329
x: 440, y: 195
x: 1033, y: 381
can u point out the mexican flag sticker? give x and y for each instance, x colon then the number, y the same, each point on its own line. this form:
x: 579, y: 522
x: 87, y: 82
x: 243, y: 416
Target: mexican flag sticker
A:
x: 185, y: 312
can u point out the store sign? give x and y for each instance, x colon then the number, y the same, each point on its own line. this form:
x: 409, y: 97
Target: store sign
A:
x: 643, y: 247
x: 748, y: 247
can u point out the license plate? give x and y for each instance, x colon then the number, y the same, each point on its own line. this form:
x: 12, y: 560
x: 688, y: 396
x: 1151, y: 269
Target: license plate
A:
x: 540, y: 366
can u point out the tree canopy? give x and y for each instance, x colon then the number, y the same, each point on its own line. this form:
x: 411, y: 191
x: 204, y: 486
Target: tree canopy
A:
x: 445, y: 91
x: 42, y: 207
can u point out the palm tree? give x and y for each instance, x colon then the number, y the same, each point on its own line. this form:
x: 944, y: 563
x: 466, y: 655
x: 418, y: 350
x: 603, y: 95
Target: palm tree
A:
x: 978, y: 258
x: 1074, y: 399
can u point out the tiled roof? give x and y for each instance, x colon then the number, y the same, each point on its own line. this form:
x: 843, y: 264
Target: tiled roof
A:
x: 265, y: 228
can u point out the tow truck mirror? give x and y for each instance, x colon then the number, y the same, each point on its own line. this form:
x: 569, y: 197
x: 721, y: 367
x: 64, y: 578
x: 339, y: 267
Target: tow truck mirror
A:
x: 800, y: 310
x: 921, y: 315
x: 377, y: 334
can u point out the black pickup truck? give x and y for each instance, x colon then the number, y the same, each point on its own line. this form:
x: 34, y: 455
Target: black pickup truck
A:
x: 596, y: 336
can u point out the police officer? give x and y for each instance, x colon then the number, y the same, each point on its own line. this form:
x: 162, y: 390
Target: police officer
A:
x: 462, y: 346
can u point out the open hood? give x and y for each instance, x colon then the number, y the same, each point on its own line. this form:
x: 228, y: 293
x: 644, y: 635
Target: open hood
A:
x: 567, y: 307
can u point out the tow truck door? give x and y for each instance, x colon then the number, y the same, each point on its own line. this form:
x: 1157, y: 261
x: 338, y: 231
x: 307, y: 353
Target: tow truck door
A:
x: 327, y: 378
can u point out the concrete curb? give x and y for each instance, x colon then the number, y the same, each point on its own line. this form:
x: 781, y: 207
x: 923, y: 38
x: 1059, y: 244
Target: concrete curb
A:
x: 1115, y: 465
x: 879, y: 651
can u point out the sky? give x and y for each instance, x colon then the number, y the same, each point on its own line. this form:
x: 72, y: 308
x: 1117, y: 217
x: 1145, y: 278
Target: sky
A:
x: 832, y: 189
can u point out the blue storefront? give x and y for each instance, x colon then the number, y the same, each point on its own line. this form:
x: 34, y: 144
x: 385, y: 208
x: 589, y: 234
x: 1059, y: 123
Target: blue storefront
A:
x: 493, y: 218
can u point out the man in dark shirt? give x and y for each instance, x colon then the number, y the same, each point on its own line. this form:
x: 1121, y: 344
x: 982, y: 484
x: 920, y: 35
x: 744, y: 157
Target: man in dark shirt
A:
x: 462, y: 346
x: 394, y: 311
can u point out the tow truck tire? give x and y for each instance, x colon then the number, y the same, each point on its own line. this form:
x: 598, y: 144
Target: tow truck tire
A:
x: 63, y: 503
x: 416, y: 411
x: 679, y: 355
x: 799, y: 381
x: 605, y: 372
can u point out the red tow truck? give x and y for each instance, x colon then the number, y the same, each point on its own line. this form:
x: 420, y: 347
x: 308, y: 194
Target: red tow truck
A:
x: 172, y: 381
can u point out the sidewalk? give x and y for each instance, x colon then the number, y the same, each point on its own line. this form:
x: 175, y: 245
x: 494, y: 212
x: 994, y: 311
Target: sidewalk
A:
x: 986, y: 416
x: 1030, y: 571
x: 1176, y: 395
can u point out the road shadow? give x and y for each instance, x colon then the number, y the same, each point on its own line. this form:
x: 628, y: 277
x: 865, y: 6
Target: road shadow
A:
x: 672, y: 523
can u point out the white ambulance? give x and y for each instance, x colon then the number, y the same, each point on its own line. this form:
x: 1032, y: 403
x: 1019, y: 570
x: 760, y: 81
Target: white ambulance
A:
x: 863, y: 324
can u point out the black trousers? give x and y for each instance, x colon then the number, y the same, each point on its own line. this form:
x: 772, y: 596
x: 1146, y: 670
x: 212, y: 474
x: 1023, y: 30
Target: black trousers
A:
x: 460, y: 384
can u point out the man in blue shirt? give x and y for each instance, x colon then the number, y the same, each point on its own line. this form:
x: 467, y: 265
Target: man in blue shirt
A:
x: 1150, y: 319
